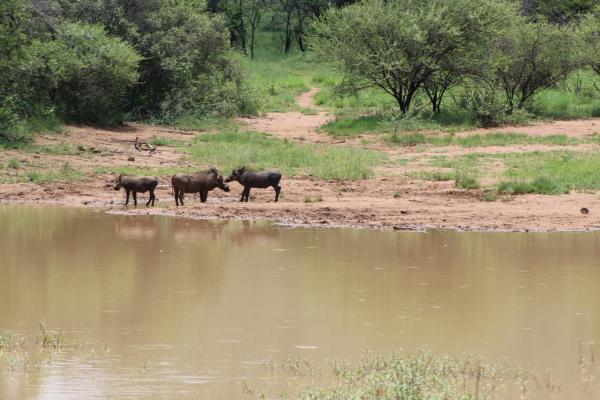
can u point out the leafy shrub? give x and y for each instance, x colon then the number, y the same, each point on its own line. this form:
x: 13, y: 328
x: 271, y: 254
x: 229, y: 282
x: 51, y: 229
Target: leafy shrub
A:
x: 484, y: 107
x: 98, y: 71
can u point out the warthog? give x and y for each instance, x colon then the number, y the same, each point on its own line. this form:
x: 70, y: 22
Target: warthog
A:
x: 261, y: 180
x: 137, y: 184
x: 202, y: 183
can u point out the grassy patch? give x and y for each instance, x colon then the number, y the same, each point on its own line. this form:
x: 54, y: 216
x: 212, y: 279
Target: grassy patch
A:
x: 162, y: 141
x: 551, y: 172
x: 463, y: 179
x: 539, y: 185
x: 437, y: 176
x: 203, y: 124
x: 351, y: 127
x: 466, y: 180
x: 60, y: 149
x: 65, y: 173
x: 257, y: 150
x: 13, y: 163
x: 145, y: 171
x: 508, y: 139
x: 24, y: 130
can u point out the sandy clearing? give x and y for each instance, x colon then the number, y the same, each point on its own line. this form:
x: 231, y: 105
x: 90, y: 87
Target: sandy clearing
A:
x: 572, y: 128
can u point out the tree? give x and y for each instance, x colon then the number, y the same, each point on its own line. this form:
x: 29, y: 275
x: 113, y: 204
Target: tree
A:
x: 401, y: 45
x: 93, y: 73
x: 530, y: 57
x: 589, y: 34
x: 243, y: 16
x: 557, y: 11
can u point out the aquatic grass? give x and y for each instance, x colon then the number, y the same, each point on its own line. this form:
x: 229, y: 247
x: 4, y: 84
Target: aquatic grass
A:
x: 8, y: 342
x: 228, y: 150
x: 50, y: 339
x: 420, y: 375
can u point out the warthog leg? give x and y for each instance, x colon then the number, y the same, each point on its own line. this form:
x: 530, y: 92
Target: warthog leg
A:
x: 277, y: 190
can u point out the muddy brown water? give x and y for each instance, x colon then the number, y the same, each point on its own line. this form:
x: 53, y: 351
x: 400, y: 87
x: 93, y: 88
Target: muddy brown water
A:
x: 171, y: 308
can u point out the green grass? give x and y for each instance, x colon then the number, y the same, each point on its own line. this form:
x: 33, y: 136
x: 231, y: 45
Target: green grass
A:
x: 508, y: 139
x: 228, y: 150
x: 13, y: 163
x: 145, y: 171
x: 551, y: 172
x: 352, y: 127
x: 203, y: 124
x: 65, y: 173
x: 464, y: 179
x: 437, y: 176
x: 162, y: 141
x: 24, y: 131
x: 539, y: 185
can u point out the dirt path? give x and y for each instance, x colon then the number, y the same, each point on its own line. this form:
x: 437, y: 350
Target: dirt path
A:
x: 294, y: 124
x: 392, y: 199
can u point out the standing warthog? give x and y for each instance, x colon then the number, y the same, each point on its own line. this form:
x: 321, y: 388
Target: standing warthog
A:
x: 137, y: 184
x: 201, y: 183
x: 261, y: 180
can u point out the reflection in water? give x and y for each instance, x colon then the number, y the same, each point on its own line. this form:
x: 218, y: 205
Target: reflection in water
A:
x: 192, y: 307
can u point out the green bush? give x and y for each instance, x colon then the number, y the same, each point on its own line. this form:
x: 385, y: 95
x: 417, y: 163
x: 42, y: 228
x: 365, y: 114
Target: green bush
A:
x: 96, y: 72
x: 540, y: 185
x: 484, y: 107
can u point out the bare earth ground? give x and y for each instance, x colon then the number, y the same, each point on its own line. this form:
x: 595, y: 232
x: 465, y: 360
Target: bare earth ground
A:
x: 391, y: 199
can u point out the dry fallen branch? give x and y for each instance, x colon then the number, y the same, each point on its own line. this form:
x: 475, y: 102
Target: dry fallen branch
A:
x: 143, y: 146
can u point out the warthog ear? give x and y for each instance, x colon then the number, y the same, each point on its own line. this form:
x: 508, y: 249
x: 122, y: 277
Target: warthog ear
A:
x: 241, y: 170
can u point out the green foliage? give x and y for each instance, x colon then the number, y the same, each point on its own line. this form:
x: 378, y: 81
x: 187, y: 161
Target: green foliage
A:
x: 589, y: 45
x: 540, y: 185
x: 398, y: 46
x: 485, y: 107
x: 94, y: 73
x: 560, y: 11
x: 229, y: 150
x: 530, y: 57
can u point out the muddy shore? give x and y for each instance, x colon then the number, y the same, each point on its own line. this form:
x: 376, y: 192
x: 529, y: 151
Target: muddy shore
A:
x: 394, y: 199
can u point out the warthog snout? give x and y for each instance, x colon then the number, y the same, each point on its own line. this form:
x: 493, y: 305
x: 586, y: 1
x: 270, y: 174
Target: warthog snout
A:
x: 222, y: 185
x: 118, y: 183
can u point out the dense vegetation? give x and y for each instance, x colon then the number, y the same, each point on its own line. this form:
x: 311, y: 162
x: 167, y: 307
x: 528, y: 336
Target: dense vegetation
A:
x: 483, y: 62
x: 100, y: 61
